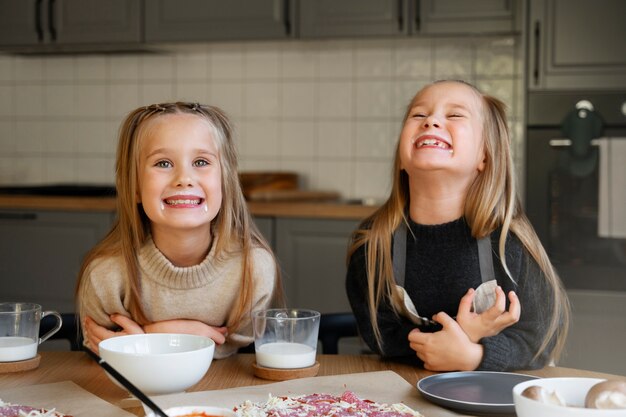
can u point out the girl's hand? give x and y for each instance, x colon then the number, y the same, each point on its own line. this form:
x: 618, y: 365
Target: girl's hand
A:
x: 94, y: 333
x: 449, y: 349
x: 490, y: 322
x: 218, y: 334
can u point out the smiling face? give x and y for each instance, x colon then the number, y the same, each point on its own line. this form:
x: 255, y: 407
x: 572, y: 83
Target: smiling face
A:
x: 443, y: 131
x: 179, y: 173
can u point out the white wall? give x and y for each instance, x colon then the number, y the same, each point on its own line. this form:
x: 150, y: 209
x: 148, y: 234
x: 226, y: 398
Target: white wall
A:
x: 329, y: 110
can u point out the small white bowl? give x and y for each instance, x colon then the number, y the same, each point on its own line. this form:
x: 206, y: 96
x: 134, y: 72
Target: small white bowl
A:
x: 159, y: 363
x: 572, y: 390
x: 201, y: 411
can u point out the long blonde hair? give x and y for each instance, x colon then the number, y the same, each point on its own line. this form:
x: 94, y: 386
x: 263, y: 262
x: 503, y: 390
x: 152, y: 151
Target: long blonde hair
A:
x: 233, y: 225
x: 491, y: 202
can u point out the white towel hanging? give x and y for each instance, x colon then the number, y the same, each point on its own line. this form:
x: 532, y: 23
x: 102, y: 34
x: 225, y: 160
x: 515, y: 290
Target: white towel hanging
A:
x: 612, y: 188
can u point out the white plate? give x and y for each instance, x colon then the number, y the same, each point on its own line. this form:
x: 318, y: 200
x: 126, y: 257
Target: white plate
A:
x: 474, y: 392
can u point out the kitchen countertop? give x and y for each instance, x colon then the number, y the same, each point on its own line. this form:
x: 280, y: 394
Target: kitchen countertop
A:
x: 309, y: 209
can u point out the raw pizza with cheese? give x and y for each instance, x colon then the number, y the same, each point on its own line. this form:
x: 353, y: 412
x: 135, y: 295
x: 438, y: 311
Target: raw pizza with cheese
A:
x: 16, y: 410
x: 323, y: 405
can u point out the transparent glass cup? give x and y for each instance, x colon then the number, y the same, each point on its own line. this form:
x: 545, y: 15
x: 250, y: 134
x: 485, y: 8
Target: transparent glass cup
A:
x: 19, y: 330
x: 285, y: 338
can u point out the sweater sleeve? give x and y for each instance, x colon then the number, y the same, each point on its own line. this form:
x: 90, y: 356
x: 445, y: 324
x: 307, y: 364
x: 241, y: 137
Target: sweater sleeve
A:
x: 394, y: 329
x: 103, y: 292
x: 515, y: 347
x: 264, y: 269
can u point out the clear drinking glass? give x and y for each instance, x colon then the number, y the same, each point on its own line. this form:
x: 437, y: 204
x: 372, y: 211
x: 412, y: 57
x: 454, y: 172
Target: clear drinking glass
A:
x: 285, y: 338
x: 19, y: 330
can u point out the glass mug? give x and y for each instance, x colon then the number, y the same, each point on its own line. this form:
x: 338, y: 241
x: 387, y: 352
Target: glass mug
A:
x: 19, y: 330
x: 285, y: 338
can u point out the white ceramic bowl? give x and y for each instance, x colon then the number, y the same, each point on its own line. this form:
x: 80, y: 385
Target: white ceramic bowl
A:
x: 159, y: 363
x: 207, y: 411
x: 572, y: 390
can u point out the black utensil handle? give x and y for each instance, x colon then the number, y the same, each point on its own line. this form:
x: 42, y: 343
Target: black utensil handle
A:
x: 126, y: 383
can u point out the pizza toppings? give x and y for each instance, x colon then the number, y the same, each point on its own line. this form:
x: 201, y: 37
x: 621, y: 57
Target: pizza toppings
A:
x: 323, y: 405
x: 15, y: 410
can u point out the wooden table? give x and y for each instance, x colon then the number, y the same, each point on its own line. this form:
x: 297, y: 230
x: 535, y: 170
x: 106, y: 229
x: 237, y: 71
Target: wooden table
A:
x: 235, y: 371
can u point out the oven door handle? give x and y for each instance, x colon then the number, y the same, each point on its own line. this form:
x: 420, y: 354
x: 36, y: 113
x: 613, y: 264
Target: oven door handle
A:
x: 564, y: 143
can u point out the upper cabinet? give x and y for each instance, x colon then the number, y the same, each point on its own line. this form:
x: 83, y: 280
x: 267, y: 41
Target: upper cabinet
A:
x: 336, y: 18
x: 352, y: 18
x: 461, y: 17
x: 57, y: 23
x: 206, y: 20
x: 96, y: 25
x: 576, y: 44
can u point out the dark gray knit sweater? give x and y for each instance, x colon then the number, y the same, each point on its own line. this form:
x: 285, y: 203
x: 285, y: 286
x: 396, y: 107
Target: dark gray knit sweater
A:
x: 441, y: 265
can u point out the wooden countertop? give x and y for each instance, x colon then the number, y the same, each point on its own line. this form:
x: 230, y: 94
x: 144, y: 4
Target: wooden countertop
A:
x: 326, y: 210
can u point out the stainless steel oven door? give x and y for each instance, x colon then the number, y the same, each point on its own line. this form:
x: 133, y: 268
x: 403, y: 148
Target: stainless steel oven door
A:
x: 562, y: 200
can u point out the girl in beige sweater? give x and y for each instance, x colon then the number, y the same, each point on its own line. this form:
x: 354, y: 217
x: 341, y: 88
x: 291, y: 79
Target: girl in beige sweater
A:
x: 183, y: 255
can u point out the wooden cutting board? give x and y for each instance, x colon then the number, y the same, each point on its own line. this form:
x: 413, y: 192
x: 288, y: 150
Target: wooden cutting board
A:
x: 252, y: 182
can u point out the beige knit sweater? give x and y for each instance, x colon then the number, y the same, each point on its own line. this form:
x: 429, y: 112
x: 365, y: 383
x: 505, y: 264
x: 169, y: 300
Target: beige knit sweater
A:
x: 206, y: 292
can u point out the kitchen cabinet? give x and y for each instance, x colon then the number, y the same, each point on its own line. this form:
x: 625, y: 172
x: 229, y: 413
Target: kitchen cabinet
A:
x: 576, y: 44
x: 206, y: 20
x: 337, y: 18
x: 42, y: 252
x: 598, y: 331
x: 450, y: 17
x: 312, y: 254
x: 69, y: 22
x: 266, y: 227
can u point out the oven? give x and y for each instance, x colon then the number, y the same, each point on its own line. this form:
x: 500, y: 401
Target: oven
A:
x: 563, y: 181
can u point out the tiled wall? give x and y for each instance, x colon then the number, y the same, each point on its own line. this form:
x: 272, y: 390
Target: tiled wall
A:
x: 329, y: 110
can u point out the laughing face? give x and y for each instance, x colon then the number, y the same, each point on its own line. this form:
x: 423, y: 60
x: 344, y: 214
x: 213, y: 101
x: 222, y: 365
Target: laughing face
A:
x: 443, y: 132
x: 179, y: 173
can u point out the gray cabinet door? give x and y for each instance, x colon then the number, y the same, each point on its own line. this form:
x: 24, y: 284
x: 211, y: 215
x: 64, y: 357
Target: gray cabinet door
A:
x: 96, y: 21
x: 462, y: 16
x: 577, y: 44
x: 312, y: 254
x: 266, y: 227
x: 337, y: 18
x: 69, y: 22
x: 203, y: 20
x: 41, y: 260
x: 20, y: 22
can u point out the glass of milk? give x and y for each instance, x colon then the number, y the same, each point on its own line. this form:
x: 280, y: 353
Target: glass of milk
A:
x: 19, y: 330
x: 285, y: 338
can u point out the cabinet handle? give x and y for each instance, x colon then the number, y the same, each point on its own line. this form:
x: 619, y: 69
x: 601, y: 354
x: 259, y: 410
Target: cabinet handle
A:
x: 417, y: 16
x: 400, y: 16
x: 38, y: 26
x: 537, y: 52
x: 18, y: 216
x: 51, y: 28
x: 286, y: 17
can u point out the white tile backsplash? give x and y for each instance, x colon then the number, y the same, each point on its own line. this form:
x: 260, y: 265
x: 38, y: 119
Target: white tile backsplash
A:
x: 334, y: 139
x: 60, y: 68
x: 59, y: 100
x: 335, y: 99
x: 297, y: 139
x: 330, y: 110
x: 91, y: 68
x: 373, y: 99
x: 298, y: 99
x: 375, y: 140
x: 29, y: 100
x: 7, y: 106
